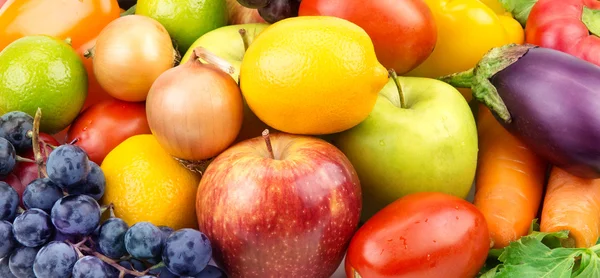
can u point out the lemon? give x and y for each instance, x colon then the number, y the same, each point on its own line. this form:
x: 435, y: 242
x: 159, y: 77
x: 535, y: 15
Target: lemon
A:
x: 185, y: 20
x: 312, y: 75
x: 45, y: 72
x: 146, y: 184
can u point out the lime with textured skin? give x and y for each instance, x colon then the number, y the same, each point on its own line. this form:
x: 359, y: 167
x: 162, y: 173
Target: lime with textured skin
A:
x: 45, y: 72
x: 186, y: 20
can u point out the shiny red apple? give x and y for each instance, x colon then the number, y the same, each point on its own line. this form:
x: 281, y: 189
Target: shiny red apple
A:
x: 289, y: 212
x: 239, y: 14
x: 403, y: 31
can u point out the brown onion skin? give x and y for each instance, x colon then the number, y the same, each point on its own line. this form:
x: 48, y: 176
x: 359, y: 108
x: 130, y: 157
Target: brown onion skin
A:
x: 130, y: 53
x: 195, y: 110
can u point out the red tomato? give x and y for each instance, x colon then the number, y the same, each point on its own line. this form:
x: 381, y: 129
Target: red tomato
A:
x: 104, y: 125
x: 404, y: 32
x: 27, y: 171
x: 421, y: 235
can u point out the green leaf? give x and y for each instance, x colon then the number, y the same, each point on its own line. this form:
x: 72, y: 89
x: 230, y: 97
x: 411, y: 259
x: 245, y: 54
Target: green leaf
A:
x: 591, y: 19
x: 589, y: 265
x: 490, y: 273
x: 529, y: 257
x: 130, y: 11
x: 520, y: 9
x: 535, y: 226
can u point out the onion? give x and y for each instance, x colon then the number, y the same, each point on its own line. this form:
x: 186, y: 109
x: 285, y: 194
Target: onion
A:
x: 130, y: 53
x: 195, y: 110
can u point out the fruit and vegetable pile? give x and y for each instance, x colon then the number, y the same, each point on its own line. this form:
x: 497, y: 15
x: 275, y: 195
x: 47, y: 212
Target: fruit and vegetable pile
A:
x: 299, y: 138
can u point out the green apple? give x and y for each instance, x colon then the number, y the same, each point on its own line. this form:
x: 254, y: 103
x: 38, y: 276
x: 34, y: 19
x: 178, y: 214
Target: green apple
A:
x: 420, y: 136
x: 227, y: 43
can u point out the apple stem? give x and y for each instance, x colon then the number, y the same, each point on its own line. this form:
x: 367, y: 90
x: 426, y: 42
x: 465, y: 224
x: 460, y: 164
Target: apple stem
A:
x: 35, y: 142
x: 265, y: 135
x: 394, y: 77
x: 244, y: 35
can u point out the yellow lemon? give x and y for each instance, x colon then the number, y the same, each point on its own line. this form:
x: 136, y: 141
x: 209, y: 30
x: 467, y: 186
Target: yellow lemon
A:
x: 312, y: 75
x: 146, y: 184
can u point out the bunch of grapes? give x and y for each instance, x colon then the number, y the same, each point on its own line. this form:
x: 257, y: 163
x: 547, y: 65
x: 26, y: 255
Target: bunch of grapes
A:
x: 55, y: 229
x: 273, y: 10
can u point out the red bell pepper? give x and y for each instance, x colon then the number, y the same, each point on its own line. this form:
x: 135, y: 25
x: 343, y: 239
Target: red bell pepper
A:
x: 571, y: 26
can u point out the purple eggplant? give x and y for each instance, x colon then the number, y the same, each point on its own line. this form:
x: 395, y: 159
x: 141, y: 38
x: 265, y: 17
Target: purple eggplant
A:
x: 548, y: 99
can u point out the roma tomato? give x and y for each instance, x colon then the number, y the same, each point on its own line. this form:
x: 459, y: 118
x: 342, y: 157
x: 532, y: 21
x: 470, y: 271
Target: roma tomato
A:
x: 104, y: 125
x: 403, y: 32
x: 81, y: 21
x: 420, y: 235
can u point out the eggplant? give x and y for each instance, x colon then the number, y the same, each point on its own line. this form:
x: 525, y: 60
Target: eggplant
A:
x: 548, y: 99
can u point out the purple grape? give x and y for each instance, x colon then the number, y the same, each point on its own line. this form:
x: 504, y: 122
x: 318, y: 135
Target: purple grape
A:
x: 91, y: 267
x: 211, y: 271
x: 21, y: 262
x: 41, y: 194
x: 278, y: 10
x: 93, y: 185
x: 162, y: 272
x: 9, y: 201
x: 254, y: 4
x: 55, y: 260
x: 144, y: 241
x: 166, y: 231
x: 7, y: 239
x: 5, y: 269
x: 111, y: 241
x: 67, y: 165
x: 187, y: 252
x: 133, y: 264
x: 8, y: 157
x: 33, y: 228
x: 14, y: 127
x: 76, y: 215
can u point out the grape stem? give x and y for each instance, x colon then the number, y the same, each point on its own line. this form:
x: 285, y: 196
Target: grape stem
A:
x: 35, y: 142
x: 23, y: 159
x: 113, y: 263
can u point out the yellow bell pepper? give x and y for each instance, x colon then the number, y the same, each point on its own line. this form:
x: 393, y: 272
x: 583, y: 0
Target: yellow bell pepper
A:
x: 467, y: 29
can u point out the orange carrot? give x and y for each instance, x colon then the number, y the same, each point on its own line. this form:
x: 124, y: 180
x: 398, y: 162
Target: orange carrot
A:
x: 509, y: 183
x: 572, y: 203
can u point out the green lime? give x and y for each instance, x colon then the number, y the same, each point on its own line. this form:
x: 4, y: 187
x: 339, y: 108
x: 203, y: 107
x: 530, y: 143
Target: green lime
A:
x: 45, y: 72
x: 186, y: 20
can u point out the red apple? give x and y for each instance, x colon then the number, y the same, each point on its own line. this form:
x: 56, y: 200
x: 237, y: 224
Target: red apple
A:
x: 290, y: 212
x: 403, y: 31
x: 239, y: 14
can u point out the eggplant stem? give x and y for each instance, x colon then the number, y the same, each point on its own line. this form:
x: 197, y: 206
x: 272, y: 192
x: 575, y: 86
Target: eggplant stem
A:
x: 460, y: 79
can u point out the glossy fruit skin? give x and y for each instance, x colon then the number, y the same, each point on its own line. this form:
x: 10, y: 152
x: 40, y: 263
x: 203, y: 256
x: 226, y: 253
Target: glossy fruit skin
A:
x: 318, y: 68
x: 565, y: 135
x: 104, y: 125
x: 80, y: 21
x: 421, y: 235
x: 429, y: 145
x: 558, y: 25
x: 403, y: 32
x: 296, y: 213
x: 153, y: 181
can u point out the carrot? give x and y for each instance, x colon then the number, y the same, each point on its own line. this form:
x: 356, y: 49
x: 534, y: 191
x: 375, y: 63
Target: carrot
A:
x: 509, y: 183
x: 572, y: 203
